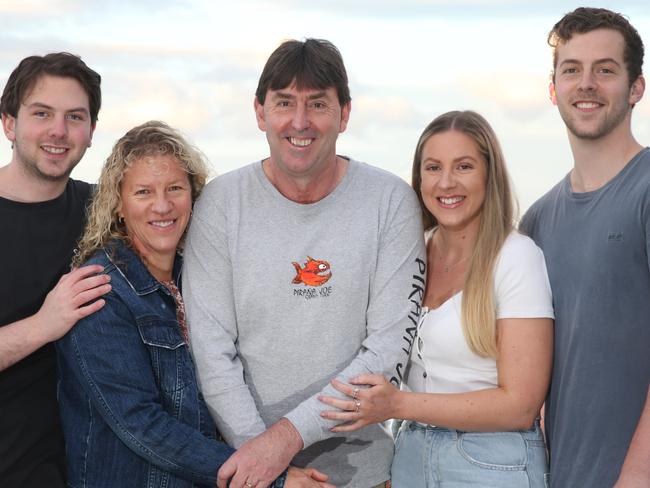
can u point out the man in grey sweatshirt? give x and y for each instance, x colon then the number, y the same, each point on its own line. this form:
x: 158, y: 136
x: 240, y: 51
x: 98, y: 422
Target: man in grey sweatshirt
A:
x: 300, y: 268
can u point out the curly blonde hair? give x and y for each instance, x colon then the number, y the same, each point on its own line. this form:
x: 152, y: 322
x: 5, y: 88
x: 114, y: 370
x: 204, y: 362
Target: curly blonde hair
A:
x: 151, y: 138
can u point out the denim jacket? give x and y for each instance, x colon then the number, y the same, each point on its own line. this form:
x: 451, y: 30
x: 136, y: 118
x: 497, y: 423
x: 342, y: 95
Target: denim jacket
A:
x: 132, y: 413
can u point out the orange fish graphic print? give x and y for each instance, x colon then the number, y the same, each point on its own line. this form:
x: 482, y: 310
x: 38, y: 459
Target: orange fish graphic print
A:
x: 314, y: 273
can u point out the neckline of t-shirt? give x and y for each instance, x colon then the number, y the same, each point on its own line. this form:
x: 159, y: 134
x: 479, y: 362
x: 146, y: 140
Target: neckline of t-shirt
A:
x: 621, y: 174
x: 426, y: 310
x: 45, y: 204
x: 276, y: 195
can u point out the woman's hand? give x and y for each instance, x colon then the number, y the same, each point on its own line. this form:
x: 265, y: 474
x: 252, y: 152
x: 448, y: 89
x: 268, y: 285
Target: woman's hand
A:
x: 306, y: 478
x: 364, y: 406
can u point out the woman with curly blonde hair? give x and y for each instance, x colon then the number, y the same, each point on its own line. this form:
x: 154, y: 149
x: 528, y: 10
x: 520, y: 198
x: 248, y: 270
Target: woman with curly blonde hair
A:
x: 131, y: 408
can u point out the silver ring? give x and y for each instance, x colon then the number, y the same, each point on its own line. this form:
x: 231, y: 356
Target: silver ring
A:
x: 355, y: 392
x: 357, y: 404
x: 248, y: 484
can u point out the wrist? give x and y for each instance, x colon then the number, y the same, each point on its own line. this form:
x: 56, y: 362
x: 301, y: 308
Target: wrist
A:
x: 289, y: 435
x: 397, y: 405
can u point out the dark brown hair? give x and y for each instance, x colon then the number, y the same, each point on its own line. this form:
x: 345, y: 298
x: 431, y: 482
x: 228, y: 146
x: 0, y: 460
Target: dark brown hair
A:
x: 313, y: 64
x: 587, y: 19
x: 66, y: 65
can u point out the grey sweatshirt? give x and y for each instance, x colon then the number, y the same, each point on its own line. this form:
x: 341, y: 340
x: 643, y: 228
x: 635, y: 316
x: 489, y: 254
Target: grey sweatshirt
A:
x: 282, y: 297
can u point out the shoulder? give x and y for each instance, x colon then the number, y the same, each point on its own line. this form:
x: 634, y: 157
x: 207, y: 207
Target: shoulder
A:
x: 389, y: 191
x: 231, y: 180
x: 80, y: 189
x: 519, y: 251
x: 521, y: 281
x: 378, y: 176
x: 545, y: 203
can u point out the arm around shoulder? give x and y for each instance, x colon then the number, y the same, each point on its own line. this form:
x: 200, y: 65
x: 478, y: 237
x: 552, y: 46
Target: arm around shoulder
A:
x: 76, y: 295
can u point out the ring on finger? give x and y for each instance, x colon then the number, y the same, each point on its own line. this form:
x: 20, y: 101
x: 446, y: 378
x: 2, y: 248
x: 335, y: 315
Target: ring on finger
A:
x: 357, y: 404
x: 355, y: 392
x: 248, y: 484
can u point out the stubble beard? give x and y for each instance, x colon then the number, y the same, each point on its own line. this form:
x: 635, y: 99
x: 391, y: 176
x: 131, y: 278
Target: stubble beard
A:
x: 608, y: 123
x: 31, y: 166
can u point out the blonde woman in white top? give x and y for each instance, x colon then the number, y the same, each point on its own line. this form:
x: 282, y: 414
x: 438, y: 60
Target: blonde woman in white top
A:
x: 480, y: 363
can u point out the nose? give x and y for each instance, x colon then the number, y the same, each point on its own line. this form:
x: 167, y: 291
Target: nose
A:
x: 587, y: 80
x: 300, y: 119
x: 58, y: 128
x: 447, y: 179
x: 162, y: 204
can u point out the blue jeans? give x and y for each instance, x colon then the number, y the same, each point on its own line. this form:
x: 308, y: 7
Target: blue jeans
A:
x: 428, y: 457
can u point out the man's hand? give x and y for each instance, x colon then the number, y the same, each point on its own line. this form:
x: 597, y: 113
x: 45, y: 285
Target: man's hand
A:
x: 306, y: 478
x: 260, y: 460
x: 69, y: 300
x: 64, y: 305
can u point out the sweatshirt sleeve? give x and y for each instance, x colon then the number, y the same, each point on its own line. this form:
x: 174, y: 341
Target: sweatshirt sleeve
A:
x: 210, y: 305
x: 397, y: 290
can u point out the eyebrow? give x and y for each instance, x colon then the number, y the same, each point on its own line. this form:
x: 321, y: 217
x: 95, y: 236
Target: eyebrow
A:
x: 280, y: 94
x: 48, y: 107
x: 598, y: 61
x: 455, y: 160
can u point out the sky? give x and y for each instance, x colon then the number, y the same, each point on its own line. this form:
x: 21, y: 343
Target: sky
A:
x: 195, y: 65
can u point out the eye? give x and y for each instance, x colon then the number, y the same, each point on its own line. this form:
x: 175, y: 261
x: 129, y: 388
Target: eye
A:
x: 431, y: 167
x: 142, y: 191
x: 176, y: 188
x: 75, y: 116
x: 465, y: 166
x: 283, y: 103
x: 318, y: 105
x: 41, y: 114
x: 569, y: 71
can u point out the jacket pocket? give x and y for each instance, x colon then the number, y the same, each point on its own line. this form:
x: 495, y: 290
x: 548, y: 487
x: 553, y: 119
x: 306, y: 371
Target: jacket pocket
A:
x: 170, y: 359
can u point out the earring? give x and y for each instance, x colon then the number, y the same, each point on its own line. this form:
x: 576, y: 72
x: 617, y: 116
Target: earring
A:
x: 120, y: 220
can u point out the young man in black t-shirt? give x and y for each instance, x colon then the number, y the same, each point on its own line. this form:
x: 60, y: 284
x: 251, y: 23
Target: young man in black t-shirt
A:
x: 49, y: 110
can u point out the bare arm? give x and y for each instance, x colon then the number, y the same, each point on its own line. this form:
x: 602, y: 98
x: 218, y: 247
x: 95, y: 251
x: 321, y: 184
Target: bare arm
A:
x: 524, y: 367
x: 64, y: 305
x: 636, y: 467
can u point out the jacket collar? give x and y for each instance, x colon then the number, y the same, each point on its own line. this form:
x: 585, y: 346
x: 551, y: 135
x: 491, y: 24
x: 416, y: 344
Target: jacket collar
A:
x: 129, y: 264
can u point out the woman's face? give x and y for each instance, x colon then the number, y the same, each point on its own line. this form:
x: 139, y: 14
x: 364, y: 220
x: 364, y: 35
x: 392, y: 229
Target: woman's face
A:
x: 156, y: 205
x: 454, y: 179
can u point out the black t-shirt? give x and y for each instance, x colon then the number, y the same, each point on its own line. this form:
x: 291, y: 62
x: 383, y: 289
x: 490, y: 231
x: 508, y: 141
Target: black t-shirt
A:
x: 36, y: 246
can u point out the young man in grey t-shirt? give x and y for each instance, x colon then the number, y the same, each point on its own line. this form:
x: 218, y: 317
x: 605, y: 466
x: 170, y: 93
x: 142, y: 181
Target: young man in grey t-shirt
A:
x: 299, y: 268
x: 594, y: 229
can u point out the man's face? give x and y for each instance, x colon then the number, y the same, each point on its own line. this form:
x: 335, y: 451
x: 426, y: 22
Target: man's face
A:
x: 302, y: 127
x: 52, y: 128
x: 591, y: 86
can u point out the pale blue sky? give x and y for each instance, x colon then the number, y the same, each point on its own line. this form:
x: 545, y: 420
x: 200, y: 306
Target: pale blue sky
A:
x: 195, y: 64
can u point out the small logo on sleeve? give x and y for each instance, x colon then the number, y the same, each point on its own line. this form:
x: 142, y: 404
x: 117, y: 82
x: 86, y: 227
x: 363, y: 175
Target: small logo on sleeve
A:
x: 313, y: 273
x: 615, y: 237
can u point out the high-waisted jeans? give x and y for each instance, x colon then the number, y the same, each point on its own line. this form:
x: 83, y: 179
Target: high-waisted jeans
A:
x: 432, y: 457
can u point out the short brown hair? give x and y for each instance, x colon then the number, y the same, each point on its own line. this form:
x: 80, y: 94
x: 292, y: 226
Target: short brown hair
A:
x: 587, y: 19
x: 66, y: 65
x: 313, y: 63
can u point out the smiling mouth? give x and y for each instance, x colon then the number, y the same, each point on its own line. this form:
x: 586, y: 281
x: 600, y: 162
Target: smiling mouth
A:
x: 586, y: 105
x: 299, y: 142
x: 450, y: 200
x: 162, y: 223
x: 54, y: 149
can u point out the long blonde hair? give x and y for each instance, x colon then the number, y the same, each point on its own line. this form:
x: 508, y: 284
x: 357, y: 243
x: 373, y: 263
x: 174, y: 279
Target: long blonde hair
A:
x: 496, y: 223
x: 151, y: 138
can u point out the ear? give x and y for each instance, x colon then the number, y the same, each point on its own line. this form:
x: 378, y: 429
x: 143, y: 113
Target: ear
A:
x: 259, y: 114
x: 345, y: 116
x: 9, y: 126
x: 551, y: 93
x: 636, y: 90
